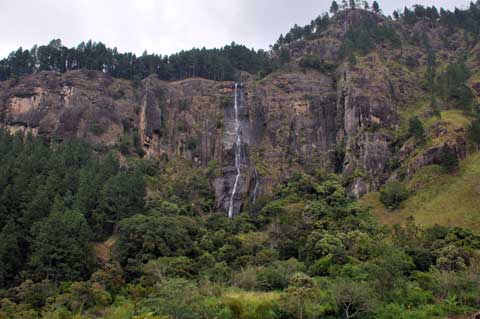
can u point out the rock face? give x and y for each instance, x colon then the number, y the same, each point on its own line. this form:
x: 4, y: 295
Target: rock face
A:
x: 293, y: 120
x: 288, y: 121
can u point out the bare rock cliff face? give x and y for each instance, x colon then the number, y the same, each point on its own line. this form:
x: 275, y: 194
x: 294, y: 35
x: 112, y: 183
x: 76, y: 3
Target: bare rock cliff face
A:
x: 293, y: 120
x: 288, y: 120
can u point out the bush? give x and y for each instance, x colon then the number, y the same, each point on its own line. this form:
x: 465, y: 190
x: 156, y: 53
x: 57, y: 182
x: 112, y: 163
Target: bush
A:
x: 474, y: 130
x: 393, y: 194
x: 415, y: 129
x: 314, y: 62
x: 448, y: 160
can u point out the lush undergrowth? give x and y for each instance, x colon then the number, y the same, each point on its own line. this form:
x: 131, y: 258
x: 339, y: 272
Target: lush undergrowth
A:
x: 306, y: 251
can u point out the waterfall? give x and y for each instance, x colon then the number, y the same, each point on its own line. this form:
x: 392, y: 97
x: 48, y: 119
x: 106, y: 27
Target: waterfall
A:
x: 238, y: 154
x: 255, y: 188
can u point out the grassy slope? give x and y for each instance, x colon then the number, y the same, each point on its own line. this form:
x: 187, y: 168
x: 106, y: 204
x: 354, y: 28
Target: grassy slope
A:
x: 439, y: 198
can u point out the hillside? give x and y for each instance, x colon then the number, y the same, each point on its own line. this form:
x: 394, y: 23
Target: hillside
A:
x: 316, y: 110
x: 234, y: 183
x: 439, y: 198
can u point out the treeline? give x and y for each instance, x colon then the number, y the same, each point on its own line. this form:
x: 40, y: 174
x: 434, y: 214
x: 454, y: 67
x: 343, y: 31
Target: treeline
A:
x: 367, y: 34
x: 317, y: 26
x: 465, y: 19
x: 215, y: 64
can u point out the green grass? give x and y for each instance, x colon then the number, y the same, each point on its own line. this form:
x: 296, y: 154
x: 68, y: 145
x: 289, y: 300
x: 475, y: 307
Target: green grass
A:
x: 418, y: 109
x: 456, y: 118
x: 439, y: 198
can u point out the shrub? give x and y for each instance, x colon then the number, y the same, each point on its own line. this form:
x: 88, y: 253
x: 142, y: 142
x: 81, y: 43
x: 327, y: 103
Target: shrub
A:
x: 448, y: 160
x: 474, y: 130
x: 314, y: 62
x: 415, y: 129
x: 393, y: 194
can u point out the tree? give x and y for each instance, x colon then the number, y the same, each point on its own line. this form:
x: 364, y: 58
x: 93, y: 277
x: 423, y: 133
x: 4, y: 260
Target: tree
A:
x: 415, y: 129
x: 396, y: 15
x: 376, y: 7
x: 176, y: 298
x: 474, y: 130
x: 366, y: 6
x: 353, y: 5
x: 393, y: 194
x: 448, y: 160
x: 10, y: 257
x: 453, y: 85
x: 61, y: 248
x: 356, y: 299
x: 143, y: 238
x: 122, y: 196
x: 334, y: 7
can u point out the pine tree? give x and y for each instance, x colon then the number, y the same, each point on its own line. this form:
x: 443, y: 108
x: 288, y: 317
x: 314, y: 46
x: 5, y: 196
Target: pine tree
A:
x: 474, y: 130
x: 353, y: 5
x: 334, y: 7
x: 61, y: 247
x: 416, y: 130
x: 376, y: 7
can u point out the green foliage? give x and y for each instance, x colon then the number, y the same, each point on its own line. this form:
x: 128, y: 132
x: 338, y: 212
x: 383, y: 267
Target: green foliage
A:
x: 277, y: 276
x: 453, y: 87
x: 474, y: 130
x: 362, y: 38
x: 60, y: 246
x: 355, y: 299
x: 393, y: 194
x: 415, y: 129
x: 122, y: 196
x: 334, y: 7
x: 144, y: 238
x: 177, y: 298
x: 215, y: 64
x: 311, y: 251
x: 314, y: 62
x: 448, y: 160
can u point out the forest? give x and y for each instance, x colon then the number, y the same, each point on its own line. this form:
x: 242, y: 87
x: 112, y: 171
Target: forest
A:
x: 306, y: 251
x: 215, y: 64
x: 106, y: 232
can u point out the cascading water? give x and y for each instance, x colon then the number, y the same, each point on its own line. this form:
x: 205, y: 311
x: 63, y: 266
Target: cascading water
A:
x: 238, y: 153
x: 255, y: 188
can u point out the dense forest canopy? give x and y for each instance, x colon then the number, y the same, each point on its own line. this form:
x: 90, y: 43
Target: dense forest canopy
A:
x: 215, y: 64
x: 307, y: 251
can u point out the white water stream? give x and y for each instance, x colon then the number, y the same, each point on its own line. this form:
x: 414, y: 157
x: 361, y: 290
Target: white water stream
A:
x: 238, y: 154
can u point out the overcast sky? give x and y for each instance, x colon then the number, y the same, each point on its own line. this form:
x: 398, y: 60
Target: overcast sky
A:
x: 163, y: 26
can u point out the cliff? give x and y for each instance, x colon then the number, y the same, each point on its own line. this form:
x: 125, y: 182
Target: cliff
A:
x: 345, y: 118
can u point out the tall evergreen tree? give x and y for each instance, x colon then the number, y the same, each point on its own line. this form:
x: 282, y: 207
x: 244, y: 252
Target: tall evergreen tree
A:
x: 61, y: 248
x: 334, y: 7
x: 352, y: 4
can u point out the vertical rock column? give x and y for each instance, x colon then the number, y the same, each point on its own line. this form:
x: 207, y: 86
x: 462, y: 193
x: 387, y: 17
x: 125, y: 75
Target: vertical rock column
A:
x: 232, y: 187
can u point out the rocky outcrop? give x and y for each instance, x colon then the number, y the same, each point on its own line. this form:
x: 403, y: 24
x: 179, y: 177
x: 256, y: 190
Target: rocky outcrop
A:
x: 293, y: 120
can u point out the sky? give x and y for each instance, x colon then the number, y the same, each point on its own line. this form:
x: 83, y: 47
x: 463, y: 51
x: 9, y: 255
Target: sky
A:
x: 164, y: 26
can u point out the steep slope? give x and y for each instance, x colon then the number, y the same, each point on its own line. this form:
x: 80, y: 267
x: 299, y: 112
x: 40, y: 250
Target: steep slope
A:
x: 320, y: 110
x: 438, y: 198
